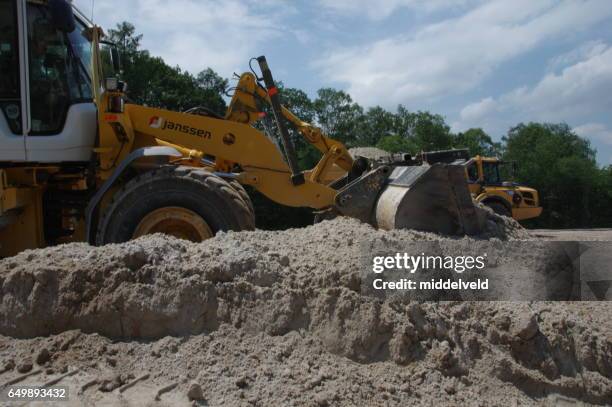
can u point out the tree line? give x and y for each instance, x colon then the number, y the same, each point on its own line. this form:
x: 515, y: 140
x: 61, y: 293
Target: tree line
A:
x: 575, y: 192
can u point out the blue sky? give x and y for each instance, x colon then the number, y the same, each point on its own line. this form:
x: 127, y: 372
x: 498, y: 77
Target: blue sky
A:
x: 489, y: 64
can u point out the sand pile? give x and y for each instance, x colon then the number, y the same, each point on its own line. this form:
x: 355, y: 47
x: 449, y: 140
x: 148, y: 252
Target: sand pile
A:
x: 279, y: 318
x: 158, y: 285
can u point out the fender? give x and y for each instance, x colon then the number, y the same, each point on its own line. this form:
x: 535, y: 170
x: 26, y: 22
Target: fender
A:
x: 125, y: 163
x: 495, y: 199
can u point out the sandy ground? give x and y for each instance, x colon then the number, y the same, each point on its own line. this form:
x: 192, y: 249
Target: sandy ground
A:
x: 280, y: 318
x: 573, y: 234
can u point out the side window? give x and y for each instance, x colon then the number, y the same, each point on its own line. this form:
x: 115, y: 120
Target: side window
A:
x: 491, y: 173
x: 58, y: 76
x: 9, y: 65
x: 472, y: 172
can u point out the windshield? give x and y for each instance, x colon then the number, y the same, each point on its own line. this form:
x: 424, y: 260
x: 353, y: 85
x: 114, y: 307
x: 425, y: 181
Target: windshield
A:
x: 506, y: 171
x: 498, y: 172
x: 491, y: 172
x: 81, y: 47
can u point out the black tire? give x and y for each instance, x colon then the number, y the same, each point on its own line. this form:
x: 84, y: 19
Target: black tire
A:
x: 243, y: 194
x: 499, y: 208
x: 208, y: 196
x: 327, y: 214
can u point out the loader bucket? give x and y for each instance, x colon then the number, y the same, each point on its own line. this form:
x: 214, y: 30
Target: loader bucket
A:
x: 432, y: 198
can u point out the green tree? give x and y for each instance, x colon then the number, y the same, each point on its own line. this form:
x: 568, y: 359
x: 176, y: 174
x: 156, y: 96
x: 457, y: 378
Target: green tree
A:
x: 426, y: 131
x: 212, y: 88
x: 602, y: 209
x: 300, y: 104
x: 127, y: 41
x: 338, y: 116
x: 152, y: 82
x: 404, y: 131
x: 561, y: 166
x: 377, y: 124
x: 478, y: 142
x: 430, y: 132
x: 396, y: 144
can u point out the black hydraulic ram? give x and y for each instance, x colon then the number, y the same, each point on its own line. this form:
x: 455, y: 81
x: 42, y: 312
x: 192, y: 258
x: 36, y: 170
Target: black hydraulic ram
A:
x: 297, y: 177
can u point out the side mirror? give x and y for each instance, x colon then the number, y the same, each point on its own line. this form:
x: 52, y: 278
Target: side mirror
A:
x: 62, y: 15
x: 115, y: 59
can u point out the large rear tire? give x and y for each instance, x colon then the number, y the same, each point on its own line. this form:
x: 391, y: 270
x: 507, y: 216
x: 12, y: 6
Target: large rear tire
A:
x: 243, y: 194
x: 184, y: 202
x: 499, y: 208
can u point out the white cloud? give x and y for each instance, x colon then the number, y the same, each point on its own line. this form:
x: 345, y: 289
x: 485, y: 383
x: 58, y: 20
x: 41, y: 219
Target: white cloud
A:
x: 196, y: 34
x: 578, y: 91
x: 381, y: 9
x: 575, y: 95
x: 477, y: 111
x: 455, y: 55
x: 595, y: 131
x: 584, y: 51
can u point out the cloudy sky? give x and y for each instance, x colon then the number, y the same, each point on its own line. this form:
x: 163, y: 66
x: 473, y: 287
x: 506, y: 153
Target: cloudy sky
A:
x: 487, y: 64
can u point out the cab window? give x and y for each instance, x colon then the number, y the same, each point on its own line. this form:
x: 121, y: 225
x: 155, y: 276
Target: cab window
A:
x: 9, y: 66
x: 59, y: 75
x: 472, y: 172
x: 491, y: 173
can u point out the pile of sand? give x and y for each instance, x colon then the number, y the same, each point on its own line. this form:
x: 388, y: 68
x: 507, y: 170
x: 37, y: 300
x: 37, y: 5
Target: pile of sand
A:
x: 279, y: 318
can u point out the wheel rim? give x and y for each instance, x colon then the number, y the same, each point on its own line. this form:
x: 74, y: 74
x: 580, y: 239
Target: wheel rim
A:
x: 174, y: 221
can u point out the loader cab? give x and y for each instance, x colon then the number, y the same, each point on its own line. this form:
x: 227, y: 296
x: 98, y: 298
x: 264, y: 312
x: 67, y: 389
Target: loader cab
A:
x: 46, y: 98
x: 485, y: 172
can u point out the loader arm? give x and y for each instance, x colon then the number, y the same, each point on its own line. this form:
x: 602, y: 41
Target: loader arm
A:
x: 244, y: 108
x: 227, y: 144
x: 228, y: 147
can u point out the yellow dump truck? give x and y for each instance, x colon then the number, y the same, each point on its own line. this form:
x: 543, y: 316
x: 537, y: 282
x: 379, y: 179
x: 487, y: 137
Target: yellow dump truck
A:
x: 487, y: 181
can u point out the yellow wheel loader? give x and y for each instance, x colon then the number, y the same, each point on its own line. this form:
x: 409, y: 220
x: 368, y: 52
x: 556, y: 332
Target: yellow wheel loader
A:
x: 488, y: 182
x: 77, y: 162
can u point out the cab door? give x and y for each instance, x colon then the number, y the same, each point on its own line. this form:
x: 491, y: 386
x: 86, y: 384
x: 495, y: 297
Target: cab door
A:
x: 13, y: 81
x: 62, y: 114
